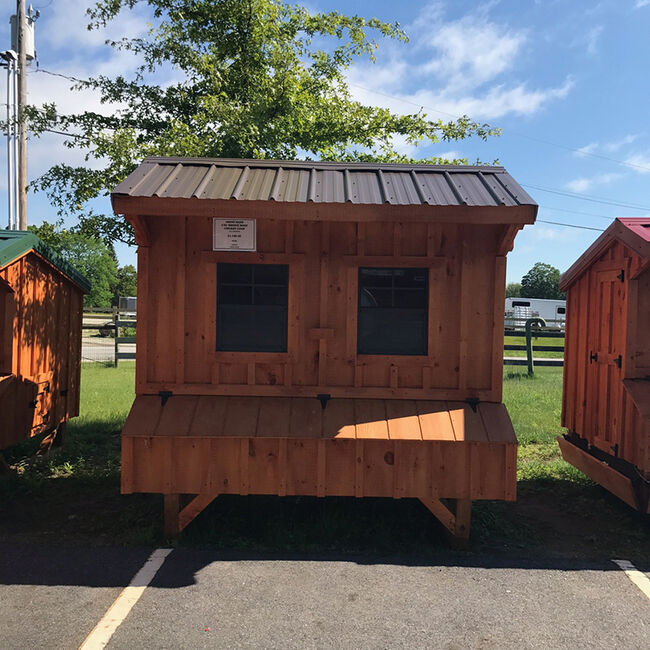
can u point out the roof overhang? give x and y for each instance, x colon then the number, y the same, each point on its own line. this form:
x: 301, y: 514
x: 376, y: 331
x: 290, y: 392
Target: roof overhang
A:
x: 631, y: 232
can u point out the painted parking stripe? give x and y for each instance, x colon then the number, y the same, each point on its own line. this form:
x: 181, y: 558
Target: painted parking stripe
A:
x: 640, y: 579
x: 130, y: 595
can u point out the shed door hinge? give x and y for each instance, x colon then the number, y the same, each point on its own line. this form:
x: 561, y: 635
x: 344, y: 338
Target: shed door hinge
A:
x: 593, y: 356
x: 164, y: 396
x: 621, y: 276
x: 618, y: 361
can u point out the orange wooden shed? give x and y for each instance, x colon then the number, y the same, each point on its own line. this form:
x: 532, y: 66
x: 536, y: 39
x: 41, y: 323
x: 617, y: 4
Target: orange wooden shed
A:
x: 41, y: 299
x: 313, y: 328
x: 606, y: 398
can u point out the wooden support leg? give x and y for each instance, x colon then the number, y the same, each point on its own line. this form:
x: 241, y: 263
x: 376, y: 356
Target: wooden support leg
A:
x: 53, y: 439
x: 456, y: 519
x: 172, y: 508
x: 177, y: 517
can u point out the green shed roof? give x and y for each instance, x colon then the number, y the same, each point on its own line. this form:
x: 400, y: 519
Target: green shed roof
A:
x: 16, y: 243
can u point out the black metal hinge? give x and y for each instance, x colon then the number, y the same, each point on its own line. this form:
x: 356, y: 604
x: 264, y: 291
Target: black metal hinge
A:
x: 621, y: 276
x: 593, y: 356
x: 618, y: 361
x: 473, y: 402
x: 323, y: 398
x: 164, y: 396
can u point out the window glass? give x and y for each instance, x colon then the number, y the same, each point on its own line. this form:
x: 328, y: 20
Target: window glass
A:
x: 252, y: 306
x: 392, y: 311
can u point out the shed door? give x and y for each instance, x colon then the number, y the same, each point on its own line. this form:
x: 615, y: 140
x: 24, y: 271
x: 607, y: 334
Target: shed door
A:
x: 606, y: 354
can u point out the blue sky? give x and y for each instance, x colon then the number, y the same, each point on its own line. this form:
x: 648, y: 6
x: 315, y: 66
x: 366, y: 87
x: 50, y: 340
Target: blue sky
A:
x: 566, y: 80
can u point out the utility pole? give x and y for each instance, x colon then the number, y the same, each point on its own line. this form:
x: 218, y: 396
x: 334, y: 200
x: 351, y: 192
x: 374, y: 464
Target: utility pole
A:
x: 22, y: 102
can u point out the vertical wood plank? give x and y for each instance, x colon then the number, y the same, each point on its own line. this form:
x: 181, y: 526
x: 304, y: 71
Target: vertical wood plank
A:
x: 498, y: 324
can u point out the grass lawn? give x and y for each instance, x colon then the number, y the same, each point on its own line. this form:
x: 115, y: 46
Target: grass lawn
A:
x: 72, y: 496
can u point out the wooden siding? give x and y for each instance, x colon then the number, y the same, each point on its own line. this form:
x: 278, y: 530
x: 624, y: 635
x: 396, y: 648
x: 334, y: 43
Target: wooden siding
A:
x: 40, y: 348
x: 608, y: 307
x: 292, y: 446
x: 177, y: 275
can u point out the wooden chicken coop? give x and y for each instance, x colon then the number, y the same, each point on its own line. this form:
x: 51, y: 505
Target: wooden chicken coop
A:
x: 41, y: 299
x: 315, y: 328
x: 606, y: 399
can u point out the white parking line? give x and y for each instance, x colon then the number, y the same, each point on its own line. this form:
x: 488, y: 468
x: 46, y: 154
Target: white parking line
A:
x: 123, y: 604
x: 640, y: 579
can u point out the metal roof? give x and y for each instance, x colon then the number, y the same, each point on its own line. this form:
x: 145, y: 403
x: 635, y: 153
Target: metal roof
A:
x: 324, y: 182
x: 14, y: 244
x: 633, y: 232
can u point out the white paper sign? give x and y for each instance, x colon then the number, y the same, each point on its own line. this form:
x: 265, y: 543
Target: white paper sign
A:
x: 234, y: 235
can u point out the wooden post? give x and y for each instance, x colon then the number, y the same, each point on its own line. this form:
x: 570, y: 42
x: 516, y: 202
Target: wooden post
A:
x: 116, y: 318
x: 529, y: 340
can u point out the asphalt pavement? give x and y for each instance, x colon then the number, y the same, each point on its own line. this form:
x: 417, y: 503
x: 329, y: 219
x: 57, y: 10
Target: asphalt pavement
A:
x: 52, y: 597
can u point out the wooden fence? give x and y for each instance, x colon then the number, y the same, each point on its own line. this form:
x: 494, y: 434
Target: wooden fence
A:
x: 531, y: 333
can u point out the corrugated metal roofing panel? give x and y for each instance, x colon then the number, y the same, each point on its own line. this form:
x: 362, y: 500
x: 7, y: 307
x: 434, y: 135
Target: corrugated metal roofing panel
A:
x: 324, y: 182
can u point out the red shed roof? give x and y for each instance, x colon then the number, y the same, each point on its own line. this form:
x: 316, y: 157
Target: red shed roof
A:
x: 633, y: 232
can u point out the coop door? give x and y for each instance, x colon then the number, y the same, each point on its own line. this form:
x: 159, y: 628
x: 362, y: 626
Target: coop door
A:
x: 606, y: 351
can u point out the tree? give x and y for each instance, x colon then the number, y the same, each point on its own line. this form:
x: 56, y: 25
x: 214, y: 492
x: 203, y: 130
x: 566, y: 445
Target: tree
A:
x: 513, y: 290
x: 259, y: 79
x: 542, y: 281
x: 88, y: 255
x: 127, y: 282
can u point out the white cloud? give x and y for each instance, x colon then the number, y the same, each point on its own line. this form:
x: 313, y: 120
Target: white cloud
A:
x: 471, y: 52
x: 641, y: 3
x: 586, y: 150
x: 581, y: 185
x: 461, y: 68
x: 640, y: 161
x: 591, y: 39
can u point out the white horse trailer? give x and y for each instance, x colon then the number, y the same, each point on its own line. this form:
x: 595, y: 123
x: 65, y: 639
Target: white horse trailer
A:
x: 520, y: 309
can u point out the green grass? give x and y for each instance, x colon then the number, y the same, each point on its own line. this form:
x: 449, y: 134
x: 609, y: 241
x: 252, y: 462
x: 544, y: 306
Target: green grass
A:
x: 72, y: 495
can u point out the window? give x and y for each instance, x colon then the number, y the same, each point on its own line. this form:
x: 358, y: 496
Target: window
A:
x: 561, y: 310
x: 520, y: 303
x: 393, y: 306
x: 252, y: 307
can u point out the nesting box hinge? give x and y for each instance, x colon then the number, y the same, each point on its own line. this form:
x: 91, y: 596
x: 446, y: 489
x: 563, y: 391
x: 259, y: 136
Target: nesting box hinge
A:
x: 621, y: 276
x: 164, y: 396
x: 618, y: 362
x: 323, y: 398
x: 473, y: 402
x: 615, y: 450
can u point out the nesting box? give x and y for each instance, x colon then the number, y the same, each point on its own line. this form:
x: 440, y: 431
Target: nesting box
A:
x: 606, y: 398
x: 312, y: 328
x: 41, y: 299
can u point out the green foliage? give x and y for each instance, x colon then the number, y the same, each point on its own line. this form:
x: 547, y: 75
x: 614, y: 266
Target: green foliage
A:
x: 258, y: 79
x: 542, y: 281
x: 513, y: 290
x: 89, y: 255
x: 126, y: 283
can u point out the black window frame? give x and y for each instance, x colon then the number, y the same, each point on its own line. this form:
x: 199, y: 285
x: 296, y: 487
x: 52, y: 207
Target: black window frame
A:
x: 390, y: 347
x: 256, y: 311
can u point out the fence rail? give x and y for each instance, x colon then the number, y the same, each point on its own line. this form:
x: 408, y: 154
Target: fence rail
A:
x: 107, y: 347
x: 532, y: 332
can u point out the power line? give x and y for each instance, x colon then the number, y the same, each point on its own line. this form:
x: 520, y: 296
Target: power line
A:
x: 569, y: 225
x: 587, y: 197
x: 63, y: 76
x: 521, y: 135
x: 586, y: 214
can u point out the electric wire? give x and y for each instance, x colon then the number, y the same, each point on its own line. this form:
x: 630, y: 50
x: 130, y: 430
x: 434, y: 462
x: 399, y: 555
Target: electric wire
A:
x: 569, y: 225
